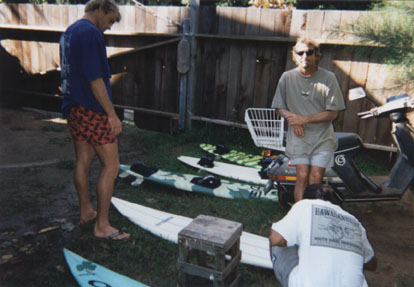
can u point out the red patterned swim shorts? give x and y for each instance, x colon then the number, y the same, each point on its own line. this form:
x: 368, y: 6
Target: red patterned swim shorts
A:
x: 90, y: 126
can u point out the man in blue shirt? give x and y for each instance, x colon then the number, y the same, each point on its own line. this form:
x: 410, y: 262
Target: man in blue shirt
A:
x: 87, y: 105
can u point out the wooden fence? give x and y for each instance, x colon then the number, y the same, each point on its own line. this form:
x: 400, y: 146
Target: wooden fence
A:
x: 240, y: 55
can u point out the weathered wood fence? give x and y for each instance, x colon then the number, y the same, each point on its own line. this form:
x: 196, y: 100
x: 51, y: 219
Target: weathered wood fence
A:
x: 240, y: 53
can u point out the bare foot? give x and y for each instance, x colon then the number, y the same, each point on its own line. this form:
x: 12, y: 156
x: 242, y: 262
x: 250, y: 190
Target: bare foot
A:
x: 88, y: 218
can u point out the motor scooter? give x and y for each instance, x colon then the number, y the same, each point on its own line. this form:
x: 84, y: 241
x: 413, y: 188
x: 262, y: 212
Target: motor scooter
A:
x: 349, y: 183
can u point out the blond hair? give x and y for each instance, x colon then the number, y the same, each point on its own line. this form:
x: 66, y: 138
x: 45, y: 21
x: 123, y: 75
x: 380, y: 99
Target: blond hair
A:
x: 108, y: 6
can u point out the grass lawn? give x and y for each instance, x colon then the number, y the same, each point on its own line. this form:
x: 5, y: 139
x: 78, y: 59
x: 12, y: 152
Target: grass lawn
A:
x: 152, y: 260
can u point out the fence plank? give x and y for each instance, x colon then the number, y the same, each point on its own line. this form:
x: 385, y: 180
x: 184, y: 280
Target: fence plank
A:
x: 279, y: 54
x: 238, y: 21
x: 175, y: 14
x: 206, y: 85
x: 5, y: 14
x: 209, y: 25
x: 332, y: 19
x: 373, y: 85
x: 282, y: 23
x: 342, y: 68
x: 224, y: 15
x: 248, y: 74
x: 253, y: 21
x: 263, y: 71
x: 267, y: 22
x: 357, y: 78
x: 222, y: 80
x: 233, y: 85
x: 298, y: 23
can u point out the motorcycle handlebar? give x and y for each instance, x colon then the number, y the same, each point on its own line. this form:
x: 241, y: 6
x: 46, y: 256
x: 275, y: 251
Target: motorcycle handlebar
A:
x: 388, y: 107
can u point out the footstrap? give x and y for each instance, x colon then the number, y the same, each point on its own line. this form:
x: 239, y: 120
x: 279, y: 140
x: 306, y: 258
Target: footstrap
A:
x: 207, y: 181
x: 143, y: 170
x: 207, y: 160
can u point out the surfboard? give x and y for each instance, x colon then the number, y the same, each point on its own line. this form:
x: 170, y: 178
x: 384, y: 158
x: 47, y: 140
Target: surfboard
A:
x: 234, y: 156
x: 233, y: 171
x: 89, y: 274
x: 254, y: 248
x: 182, y: 181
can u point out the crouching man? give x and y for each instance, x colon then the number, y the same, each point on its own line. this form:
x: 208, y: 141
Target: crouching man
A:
x: 319, y: 244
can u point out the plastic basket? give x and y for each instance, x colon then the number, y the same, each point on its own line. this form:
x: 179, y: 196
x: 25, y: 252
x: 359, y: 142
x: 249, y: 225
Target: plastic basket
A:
x: 266, y: 128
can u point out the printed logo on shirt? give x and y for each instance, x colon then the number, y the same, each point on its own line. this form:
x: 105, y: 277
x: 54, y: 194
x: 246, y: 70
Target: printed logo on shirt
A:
x: 335, y: 230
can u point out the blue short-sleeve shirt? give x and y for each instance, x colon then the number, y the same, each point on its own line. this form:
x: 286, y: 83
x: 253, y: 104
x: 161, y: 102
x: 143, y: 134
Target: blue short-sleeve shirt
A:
x: 83, y: 59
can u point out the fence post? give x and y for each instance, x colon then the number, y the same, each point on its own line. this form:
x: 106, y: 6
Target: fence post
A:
x: 194, y: 16
x: 183, y: 66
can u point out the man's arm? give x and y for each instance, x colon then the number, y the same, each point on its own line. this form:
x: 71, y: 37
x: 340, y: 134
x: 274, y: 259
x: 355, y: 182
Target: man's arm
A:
x: 297, y: 129
x: 275, y: 239
x: 98, y: 88
x: 325, y: 116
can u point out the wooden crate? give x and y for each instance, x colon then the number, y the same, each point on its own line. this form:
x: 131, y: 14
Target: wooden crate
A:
x: 209, y: 248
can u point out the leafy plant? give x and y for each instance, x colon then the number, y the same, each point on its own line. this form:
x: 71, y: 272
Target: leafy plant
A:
x: 387, y: 35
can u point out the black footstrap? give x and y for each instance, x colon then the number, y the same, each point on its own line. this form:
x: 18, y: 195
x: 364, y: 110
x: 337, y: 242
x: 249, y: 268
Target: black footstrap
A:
x: 221, y: 149
x: 142, y: 169
x: 207, y: 181
x: 207, y: 160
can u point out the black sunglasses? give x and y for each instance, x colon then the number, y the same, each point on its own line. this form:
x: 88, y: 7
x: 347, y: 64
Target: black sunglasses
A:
x: 308, y: 52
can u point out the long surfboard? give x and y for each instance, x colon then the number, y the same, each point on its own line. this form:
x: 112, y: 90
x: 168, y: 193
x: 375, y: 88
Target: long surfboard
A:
x: 89, y: 274
x: 182, y: 181
x: 254, y: 248
x: 233, y: 171
x: 234, y: 156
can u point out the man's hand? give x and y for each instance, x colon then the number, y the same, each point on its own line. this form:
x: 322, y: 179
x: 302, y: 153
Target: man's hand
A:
x: 294, y: 119
x: 298, y: 130
x: 115, y: 123
x: 297, y: 122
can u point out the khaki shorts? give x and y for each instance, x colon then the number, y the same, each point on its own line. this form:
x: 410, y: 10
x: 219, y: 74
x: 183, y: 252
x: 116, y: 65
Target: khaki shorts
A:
x: 323, y: 159
x: 90, y: 126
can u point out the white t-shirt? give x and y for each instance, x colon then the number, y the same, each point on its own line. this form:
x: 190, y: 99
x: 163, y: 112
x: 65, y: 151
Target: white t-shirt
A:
x: 333, y: 245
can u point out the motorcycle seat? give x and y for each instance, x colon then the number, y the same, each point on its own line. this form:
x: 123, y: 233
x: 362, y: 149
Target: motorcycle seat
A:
x: 347, y: 141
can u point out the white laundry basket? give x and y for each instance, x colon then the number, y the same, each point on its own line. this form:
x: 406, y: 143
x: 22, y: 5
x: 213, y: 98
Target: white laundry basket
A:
x: 266, y: 128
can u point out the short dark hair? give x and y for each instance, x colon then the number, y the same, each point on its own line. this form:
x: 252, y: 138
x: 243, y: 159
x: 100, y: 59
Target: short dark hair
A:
x: 108, y: 6
x: 320, y: 191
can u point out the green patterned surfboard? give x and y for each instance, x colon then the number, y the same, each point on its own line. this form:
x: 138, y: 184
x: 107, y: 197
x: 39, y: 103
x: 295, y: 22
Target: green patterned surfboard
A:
x: 182, y: 181
x: 235, y: 156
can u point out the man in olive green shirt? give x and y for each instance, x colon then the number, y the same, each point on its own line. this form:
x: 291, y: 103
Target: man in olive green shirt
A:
x: 309, y: 98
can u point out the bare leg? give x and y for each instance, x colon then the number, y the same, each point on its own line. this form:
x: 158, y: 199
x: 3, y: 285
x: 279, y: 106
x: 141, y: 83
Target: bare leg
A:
x: 302, y: 180
x: 84, y: 155
x: 316, y: 174
x: 108, y: 156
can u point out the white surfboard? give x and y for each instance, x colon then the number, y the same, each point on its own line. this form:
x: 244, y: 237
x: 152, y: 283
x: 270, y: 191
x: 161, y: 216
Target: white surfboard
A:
x: 238, y: 172
x: 254, y: 248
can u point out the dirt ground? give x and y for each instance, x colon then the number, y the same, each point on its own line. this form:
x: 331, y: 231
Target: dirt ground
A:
x: 39, y: 211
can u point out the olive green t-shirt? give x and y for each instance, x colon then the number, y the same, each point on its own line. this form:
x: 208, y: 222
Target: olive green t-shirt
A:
x: 307, y: 95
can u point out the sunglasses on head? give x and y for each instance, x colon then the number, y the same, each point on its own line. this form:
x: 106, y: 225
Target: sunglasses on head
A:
x: 308, y: 52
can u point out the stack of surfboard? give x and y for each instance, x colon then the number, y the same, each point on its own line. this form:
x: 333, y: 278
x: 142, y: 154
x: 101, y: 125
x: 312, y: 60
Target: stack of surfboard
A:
x: 255, y: 249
